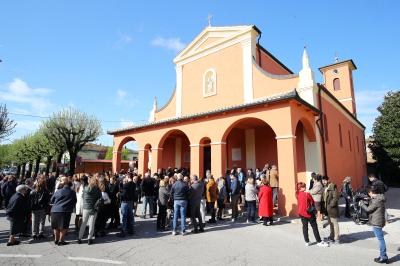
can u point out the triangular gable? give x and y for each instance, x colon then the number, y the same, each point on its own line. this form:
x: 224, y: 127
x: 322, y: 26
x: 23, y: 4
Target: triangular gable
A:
x: 209, y: 37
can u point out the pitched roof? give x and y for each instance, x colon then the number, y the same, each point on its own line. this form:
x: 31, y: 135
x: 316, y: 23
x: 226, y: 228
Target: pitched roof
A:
x: 272, y: 99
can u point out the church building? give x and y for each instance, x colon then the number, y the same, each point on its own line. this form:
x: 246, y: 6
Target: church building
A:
x: 236, y: 105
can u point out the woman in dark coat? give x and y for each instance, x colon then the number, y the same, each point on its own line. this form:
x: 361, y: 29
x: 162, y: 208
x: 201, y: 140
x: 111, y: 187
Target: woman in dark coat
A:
x: 63, y: 203
x: 17, y: 210
x: 266, y: 206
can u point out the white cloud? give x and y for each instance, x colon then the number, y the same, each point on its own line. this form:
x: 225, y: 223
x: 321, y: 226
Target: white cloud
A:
x: 122, y: 99
x: 173, y: 44
x: 126, y: 123
x: 123, y: 39
x: 121, y: 94
x: 367, y: 102
x: 18, y: 91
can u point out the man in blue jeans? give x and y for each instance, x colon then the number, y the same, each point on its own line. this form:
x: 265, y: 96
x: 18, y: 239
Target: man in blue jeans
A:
x: 148, y: 185
x: 179, y: 192
x: 376, y: 211
x: 127, y: 196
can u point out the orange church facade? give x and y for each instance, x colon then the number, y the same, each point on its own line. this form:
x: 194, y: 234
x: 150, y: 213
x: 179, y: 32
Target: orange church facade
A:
x: 236, y: 105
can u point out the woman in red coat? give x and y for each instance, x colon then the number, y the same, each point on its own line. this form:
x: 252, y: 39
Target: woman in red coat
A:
x: 304, y: 202
x: 266, y: 207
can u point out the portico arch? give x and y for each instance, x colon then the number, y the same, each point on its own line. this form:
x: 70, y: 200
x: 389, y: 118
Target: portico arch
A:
x: 250, y: 143
x: 117, y: 151
x: 173, y: 150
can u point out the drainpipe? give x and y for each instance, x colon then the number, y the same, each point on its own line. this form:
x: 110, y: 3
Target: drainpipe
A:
x: 259, y: 52
x: 320, y: 125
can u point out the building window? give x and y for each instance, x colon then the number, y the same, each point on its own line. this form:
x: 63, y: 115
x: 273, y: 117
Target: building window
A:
x: 336, y: 84
x: 340, y: 136
x: 209, y: 83
x: 326, y: 128
x: 349, y: 140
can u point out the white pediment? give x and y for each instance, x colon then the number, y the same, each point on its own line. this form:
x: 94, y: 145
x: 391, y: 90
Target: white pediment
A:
x: 211, y: 37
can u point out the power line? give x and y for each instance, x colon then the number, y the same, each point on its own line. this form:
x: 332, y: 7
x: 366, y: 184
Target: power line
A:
x: 47, y: 117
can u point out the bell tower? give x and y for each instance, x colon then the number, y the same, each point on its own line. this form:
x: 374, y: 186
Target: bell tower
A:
x: 338, y: 79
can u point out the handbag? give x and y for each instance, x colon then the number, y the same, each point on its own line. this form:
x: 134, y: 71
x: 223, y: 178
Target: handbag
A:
x: 312, y: 210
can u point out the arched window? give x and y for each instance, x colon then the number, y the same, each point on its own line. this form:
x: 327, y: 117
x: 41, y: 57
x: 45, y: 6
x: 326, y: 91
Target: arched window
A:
x: 340, y: 135
x: 336, y: 84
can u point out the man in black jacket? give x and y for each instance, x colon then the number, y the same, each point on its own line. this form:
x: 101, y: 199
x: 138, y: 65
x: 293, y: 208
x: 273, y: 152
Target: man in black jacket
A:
x: 179, y: 193
x: 16, y: 211
x: 148, y: 185
x: 8, y: 189
x: 127, y: 195
x: 113, y: 188
x: 195, y: 195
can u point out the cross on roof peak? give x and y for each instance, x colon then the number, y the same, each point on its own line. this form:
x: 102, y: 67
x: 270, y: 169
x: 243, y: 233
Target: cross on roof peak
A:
x: 209, y: 17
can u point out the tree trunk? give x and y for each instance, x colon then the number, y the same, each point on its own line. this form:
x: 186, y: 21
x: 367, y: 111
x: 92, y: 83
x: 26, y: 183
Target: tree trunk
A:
x: 48, y: 165
x: 72, y: 160
x: 29, y: 173
x: 18, y: 171
x: 23, y: 170
x: 37, y: 164
x: 59, y: 157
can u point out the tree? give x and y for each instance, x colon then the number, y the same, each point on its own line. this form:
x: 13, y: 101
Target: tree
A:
x: 56, y: 147
x: 75, y: 128
x: 5, y: 154
x: 7, y: 125
x: 124, y: 154
x: 386, y: 137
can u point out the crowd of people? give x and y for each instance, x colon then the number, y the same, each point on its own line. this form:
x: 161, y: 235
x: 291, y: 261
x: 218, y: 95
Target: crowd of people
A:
x: 104, y: 202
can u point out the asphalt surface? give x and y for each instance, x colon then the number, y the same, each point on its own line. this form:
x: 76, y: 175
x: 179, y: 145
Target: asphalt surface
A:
x: 225, y: 243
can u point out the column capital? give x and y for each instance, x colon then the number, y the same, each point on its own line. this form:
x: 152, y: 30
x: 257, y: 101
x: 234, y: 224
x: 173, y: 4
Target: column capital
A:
x: 218, y: 143
x: 285, y: 137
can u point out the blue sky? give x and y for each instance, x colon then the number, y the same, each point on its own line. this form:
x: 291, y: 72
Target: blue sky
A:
x: 110, y: 58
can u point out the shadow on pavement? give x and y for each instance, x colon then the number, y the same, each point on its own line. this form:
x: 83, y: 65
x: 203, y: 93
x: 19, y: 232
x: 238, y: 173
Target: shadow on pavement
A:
x: 395, y: 258
x: 353, y: 237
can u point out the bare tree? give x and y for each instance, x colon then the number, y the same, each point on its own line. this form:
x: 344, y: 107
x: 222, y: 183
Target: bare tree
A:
x: 7, y: 125
x: 75, y: 128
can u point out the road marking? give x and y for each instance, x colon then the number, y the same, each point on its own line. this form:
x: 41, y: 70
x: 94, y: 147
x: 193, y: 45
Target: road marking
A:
x: 19, y: 256
x: 97, y: 260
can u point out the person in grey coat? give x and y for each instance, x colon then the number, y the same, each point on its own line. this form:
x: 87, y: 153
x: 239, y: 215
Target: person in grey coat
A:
x: 376, y: 210
x: 163, y: 198
x: 195, y: 195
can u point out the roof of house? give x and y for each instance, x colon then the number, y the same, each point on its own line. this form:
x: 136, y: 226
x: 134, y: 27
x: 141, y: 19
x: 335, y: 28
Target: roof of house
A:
x: 272, y: 99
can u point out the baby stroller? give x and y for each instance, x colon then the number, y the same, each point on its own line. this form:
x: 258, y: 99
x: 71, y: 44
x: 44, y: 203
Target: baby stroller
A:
x: 359, y: 216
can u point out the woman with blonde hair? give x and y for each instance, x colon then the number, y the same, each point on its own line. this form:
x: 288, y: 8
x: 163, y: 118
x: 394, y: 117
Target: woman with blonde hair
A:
x: 91, y: 198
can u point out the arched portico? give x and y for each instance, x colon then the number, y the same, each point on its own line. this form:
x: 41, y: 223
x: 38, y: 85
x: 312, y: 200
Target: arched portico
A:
x: 117, y: 151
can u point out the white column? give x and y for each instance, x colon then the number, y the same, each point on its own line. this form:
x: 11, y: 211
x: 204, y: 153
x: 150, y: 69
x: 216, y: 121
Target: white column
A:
x: 247, y: 70
x: 250, y: 138
x: 178, y: 152
x: 178, y: 110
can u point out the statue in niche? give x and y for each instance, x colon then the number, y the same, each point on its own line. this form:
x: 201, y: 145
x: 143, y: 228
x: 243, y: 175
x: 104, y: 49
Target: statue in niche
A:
x: 209, y: 83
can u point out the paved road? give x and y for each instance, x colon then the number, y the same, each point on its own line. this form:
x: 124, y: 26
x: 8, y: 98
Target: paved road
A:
x: 223, y: 244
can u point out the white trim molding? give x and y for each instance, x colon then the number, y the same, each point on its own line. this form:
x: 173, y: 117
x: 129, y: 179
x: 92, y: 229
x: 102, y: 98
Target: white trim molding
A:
x: 117, y: 152
x: 285, y: 137
x: 248, y: 94
x: 213, y: 80
x: 178, y: 103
